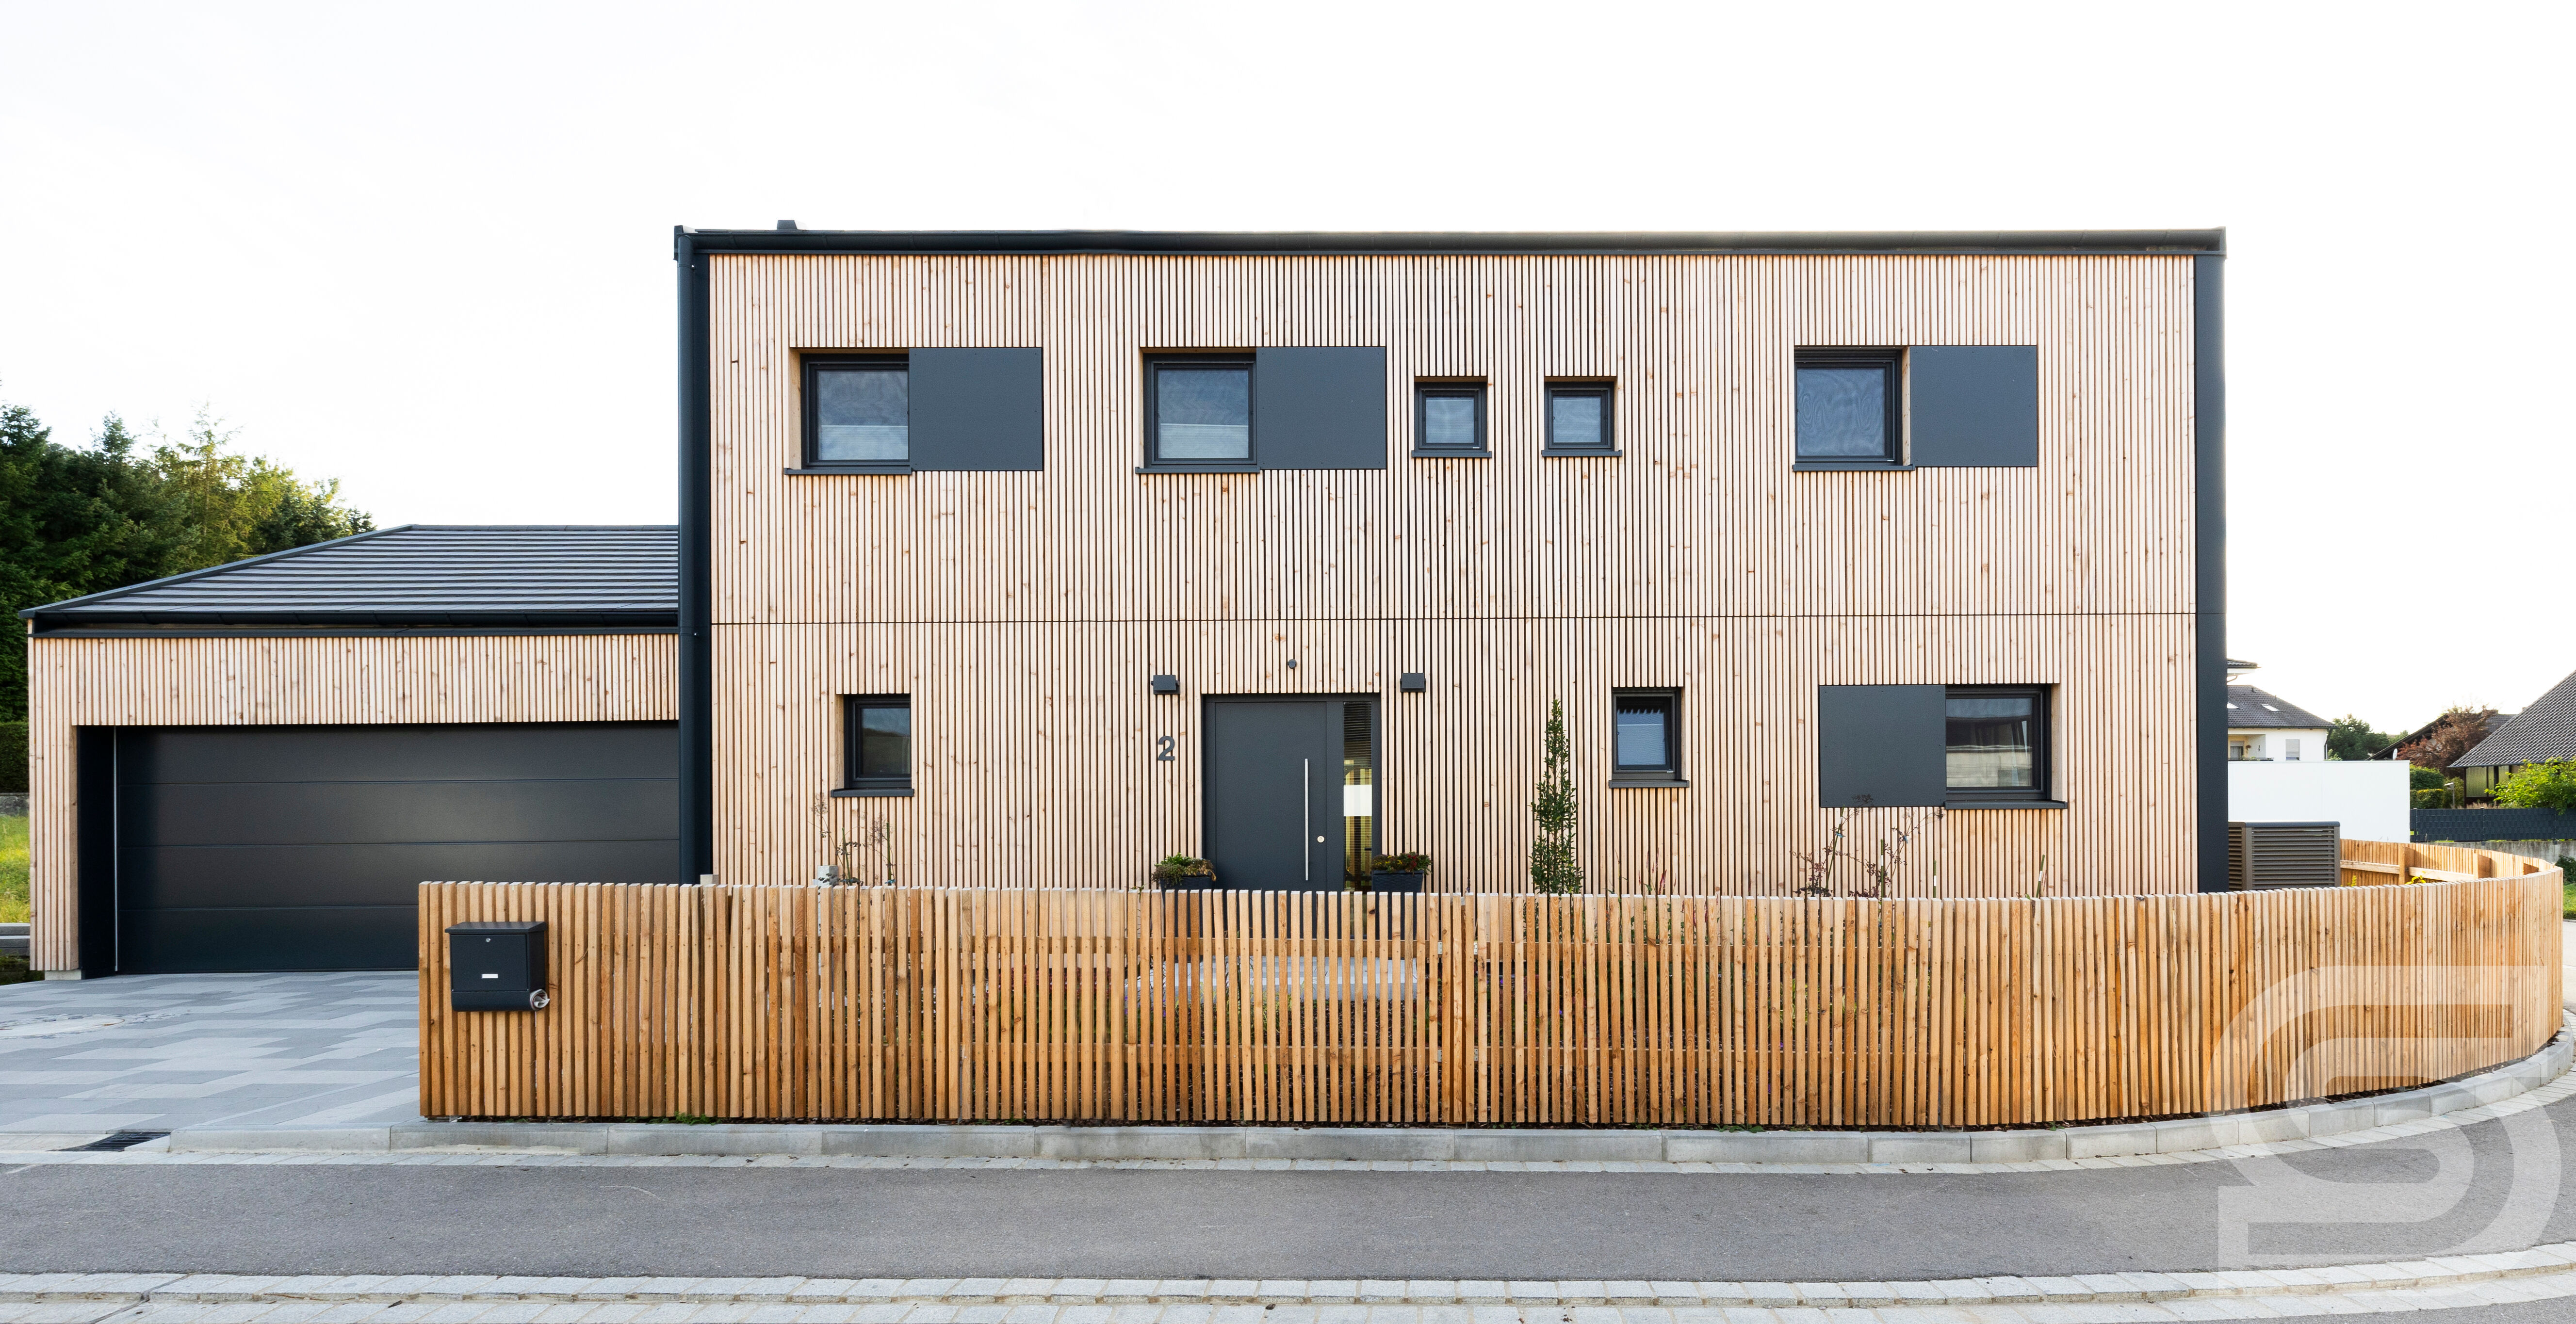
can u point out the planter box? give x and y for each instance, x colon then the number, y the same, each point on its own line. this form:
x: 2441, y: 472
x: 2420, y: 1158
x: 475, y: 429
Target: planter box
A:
x: 1396, y: 882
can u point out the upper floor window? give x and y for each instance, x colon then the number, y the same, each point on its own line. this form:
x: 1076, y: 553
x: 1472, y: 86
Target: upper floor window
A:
x: 876, y: 744
x: 1645, y: 737
x: 858, y: 409
x: 1850, y: 407
x: 1579, y: 418
x: 1199, y: 409
x: 1998, y: 742
x: 1449, y: 418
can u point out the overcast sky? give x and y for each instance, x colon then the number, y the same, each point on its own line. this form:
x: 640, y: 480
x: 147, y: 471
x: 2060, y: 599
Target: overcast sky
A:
x: 426, y: 249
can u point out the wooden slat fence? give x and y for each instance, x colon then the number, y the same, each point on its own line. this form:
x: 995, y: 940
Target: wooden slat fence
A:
x: 1065, y: 1005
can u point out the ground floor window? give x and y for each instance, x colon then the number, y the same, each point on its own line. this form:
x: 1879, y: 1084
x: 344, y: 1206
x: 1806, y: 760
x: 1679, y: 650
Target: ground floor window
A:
x: 1997, y: 742
x: 876, y: 743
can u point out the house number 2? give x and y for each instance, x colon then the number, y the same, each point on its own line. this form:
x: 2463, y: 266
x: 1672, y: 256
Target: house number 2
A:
x: 1162, y: 749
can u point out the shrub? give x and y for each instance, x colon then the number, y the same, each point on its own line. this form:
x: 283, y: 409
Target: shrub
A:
x: 13, y: 757
x: 2550, y: 785
x: 1404, y: 862
x: 1551, y: 862
x: 1173, y: 868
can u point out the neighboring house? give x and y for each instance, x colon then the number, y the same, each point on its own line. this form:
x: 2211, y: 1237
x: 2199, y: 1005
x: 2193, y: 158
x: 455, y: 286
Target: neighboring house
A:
x: 2278, y: 770
x: 2546, y: 730
x: 1031, y: 557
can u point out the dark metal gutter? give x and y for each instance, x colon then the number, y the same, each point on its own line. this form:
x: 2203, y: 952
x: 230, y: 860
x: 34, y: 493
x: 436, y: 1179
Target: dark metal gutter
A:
x: 1213, y: 243
x: 696, y: 699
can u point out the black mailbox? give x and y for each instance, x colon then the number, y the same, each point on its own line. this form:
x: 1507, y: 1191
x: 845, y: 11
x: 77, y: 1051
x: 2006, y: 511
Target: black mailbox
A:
x: 497, y: 966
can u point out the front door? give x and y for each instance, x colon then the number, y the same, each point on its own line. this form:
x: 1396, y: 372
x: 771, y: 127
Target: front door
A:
x: 1291, y: 791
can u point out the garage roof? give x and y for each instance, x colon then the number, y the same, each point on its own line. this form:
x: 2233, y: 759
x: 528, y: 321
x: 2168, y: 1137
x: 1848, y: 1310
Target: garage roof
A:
x: 453, y: 576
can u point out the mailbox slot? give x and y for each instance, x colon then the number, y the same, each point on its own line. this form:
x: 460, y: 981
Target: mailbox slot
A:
x: 497, y: 966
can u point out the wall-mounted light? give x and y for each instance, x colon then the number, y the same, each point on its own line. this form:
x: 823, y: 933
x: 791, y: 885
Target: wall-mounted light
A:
x: 1167, y: 684
x: 1413, y: 682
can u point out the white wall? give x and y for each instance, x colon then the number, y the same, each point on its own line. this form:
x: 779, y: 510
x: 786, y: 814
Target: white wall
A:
x: 2369, y: 799
x: 2272, y: 743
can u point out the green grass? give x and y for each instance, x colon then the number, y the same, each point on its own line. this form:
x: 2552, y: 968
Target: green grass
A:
x: 13, y: 869
x: 2568, y: 900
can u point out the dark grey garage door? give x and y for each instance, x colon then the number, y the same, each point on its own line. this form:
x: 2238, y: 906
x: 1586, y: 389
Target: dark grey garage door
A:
x: 300, y: 848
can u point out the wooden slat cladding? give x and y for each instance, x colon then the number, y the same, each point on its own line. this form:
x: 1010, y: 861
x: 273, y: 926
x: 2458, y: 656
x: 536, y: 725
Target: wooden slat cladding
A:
x: 75, y: 682
x: 928, y: 1004
x: 1024, y: 611
x: 1033, y: 746
x: 1702, y: 516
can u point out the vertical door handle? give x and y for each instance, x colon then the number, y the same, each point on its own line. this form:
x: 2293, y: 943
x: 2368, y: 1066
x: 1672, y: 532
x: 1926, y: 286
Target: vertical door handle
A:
x: 1306, y: 821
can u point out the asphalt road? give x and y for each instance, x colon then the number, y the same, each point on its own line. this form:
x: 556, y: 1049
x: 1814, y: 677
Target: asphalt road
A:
x: 1175, y: 1223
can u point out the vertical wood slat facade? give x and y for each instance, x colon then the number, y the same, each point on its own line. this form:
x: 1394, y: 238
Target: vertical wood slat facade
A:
x: 348, y: 680
x: 1023, y: 612
x: 935, y: 1004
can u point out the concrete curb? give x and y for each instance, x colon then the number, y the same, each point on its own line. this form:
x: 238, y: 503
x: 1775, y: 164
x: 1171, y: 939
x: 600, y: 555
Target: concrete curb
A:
x: 2450, y: 1271
x: 1368, y: 1144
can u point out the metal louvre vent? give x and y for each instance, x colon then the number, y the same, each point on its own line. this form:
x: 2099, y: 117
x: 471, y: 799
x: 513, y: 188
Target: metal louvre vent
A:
x: 2263, y: 855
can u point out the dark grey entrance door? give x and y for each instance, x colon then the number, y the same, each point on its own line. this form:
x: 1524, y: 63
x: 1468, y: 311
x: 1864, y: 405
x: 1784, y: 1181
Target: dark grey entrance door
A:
x: 303, y: 848
x: 1290, y: 791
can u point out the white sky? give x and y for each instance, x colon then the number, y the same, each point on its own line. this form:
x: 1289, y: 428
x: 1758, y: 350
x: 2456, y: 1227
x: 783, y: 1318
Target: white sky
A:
x: 427, y: 250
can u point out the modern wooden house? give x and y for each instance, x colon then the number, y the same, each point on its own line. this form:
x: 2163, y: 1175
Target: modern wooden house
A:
x: 1028, y: 558
x: 1016, y: 558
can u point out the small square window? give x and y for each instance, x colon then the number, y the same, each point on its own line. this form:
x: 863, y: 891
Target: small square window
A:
x: 1198, y: 410
x: 1645, y: 737
x: 1449, y: 418
x: 858, y: 410
x: 876, y: 744
x: 1579, y: 418
x: 1851, y: 407
x: 1997, y: 742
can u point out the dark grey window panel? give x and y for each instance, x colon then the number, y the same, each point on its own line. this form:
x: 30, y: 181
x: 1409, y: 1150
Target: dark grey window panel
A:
x: 1974, y: 406
x: 978, y: 410
x: 1319, y: 408
x: 1881, y: 745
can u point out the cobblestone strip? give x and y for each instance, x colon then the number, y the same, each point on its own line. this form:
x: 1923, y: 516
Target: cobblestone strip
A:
x: 150, y: 1153
x: 2541, y: 1273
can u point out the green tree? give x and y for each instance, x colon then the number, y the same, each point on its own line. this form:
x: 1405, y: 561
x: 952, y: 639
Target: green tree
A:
x: 1552, y: 866
x: 2353, y: 739
x: 2550, y: 785
x: 80, y: 520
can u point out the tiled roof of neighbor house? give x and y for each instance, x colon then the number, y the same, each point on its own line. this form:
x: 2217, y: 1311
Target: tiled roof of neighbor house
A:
x: 2248, y: 706
x: 416, y: 575
x: 2545, y: 730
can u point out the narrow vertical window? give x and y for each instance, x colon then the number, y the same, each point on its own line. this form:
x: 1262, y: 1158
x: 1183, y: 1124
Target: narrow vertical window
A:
x: 876, y: 744
x: 1645, y: 738
x: 1998, y: 743
x: 1199, y: 410
x: 1359, y: 790
x: 1579, y: 418
x: 1449, y: 418
x: 858, y: 410
x: 1850, y: 407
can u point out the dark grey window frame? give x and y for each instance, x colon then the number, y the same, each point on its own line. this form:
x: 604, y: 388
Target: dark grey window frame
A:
x: 1424, y: 390
x: 2043, y: 737
x: 1154, y: 364
x: 1891, y: 358
x: 1670, y: 775
x: 852, y: 784
x: 1605, y: 387
x: 812, y: 366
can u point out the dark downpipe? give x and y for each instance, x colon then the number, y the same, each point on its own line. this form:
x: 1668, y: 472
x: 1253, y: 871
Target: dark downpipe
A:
x: 697, y: 686
x: 2209, y: 589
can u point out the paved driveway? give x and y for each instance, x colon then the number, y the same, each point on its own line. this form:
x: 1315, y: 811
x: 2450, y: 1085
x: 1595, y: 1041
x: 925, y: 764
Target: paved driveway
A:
x: 171, y: 1052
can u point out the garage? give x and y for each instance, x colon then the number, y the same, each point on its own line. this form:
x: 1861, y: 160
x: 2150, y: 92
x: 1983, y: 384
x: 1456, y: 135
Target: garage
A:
x: 254, y: 767
x: 301, y: 848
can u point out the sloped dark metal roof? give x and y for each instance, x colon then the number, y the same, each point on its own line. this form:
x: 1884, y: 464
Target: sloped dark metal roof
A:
x: 2545, y: 730
x: 2250, y: 707
x: 413, y: 576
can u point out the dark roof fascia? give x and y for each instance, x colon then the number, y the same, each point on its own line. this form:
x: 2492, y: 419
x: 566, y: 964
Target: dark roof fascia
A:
x: 287, y: 630
x: 1215, y: 243
x: 109, y: 595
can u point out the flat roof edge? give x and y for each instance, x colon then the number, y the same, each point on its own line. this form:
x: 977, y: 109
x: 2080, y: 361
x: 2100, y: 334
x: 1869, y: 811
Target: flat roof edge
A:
x: 1213, y: 243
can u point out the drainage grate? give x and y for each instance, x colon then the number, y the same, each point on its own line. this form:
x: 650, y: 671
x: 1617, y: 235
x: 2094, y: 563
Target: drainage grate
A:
x: 116, y: 1140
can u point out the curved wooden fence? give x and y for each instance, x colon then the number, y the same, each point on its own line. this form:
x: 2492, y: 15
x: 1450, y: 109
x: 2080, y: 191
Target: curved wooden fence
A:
x: 1057, y: 1005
